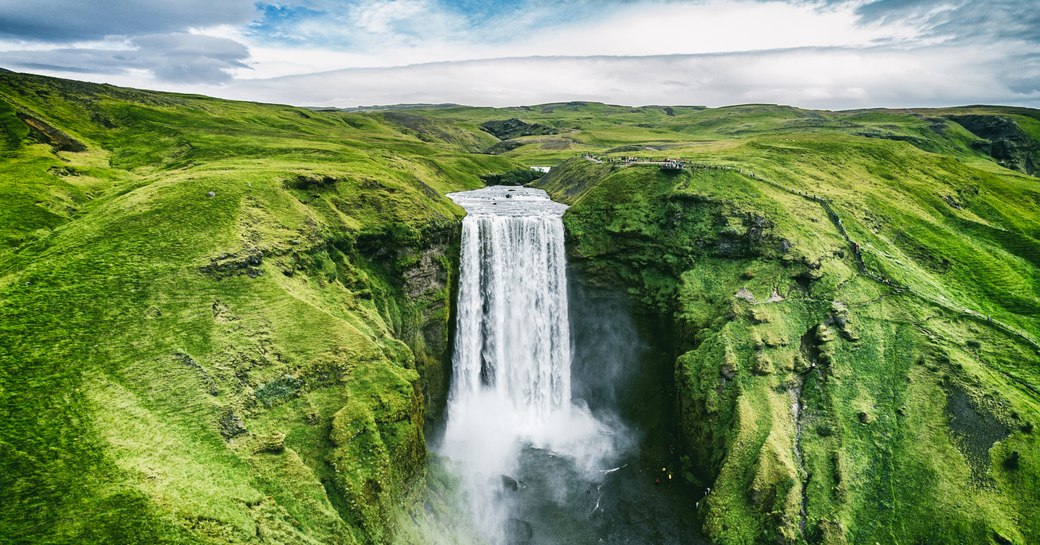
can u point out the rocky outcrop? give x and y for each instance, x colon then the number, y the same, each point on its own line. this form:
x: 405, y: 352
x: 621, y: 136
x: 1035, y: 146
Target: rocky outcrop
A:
x: 513, y: 128
x: 1003, y: 140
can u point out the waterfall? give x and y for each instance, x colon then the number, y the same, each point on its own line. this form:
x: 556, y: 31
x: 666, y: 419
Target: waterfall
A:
x: 512, y: 333
x: 511, y: 385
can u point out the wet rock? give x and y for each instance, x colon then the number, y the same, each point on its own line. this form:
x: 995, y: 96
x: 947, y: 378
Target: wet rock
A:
x: 509, y: 483
x: 428, y: 276
x: 997, y: 537
x: 518, y: 532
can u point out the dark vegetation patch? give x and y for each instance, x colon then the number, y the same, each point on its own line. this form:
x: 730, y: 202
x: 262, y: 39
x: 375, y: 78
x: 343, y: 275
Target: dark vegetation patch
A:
x: 976, y: 430
x: 503, y: 147
x: 513, y: 128
x: 520, y: 176
x: 279, y: 389
x: 311, y: 183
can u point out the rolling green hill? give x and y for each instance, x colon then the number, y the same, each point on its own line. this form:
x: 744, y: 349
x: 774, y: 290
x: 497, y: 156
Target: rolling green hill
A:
x: 228, y: 322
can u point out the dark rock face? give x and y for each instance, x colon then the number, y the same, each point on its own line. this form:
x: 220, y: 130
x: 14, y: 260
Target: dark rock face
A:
x: 1006, y: 141
x: 512, y: 128
x: 47, y: 134
x: 421, y: 268
x: 231, y: 424
x: 518, y: 531
x: 521, y: 176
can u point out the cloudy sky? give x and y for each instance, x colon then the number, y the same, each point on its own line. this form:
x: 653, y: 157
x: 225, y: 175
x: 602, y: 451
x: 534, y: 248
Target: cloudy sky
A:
x: 815, y: 53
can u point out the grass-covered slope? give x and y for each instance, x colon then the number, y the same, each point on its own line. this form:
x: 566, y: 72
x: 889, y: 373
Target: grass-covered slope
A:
x: 860, y: 328
x: 217, y: 318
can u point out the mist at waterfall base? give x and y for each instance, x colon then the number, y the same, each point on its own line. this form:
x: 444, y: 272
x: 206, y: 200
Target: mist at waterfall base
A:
x: 550, y: 437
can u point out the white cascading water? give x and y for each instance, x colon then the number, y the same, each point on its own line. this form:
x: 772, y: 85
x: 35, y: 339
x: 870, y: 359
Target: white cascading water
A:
x: 511, y: 386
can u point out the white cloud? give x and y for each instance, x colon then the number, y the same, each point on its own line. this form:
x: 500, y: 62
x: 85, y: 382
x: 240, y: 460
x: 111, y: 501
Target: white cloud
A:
x: 403, y: 32
x: 804, y: 52
x: 381, y: 16
x: 812, y: 77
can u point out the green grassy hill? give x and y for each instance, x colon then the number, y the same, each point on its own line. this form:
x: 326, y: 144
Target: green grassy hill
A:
x: 226, y: 322
x: 859, y: 322
x: 217, y: 319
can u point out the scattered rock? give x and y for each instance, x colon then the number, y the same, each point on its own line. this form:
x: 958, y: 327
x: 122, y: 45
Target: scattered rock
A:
x: 745, y: 294
x: 221, y: 312
x: 231, y: 425
x: 518, y: 532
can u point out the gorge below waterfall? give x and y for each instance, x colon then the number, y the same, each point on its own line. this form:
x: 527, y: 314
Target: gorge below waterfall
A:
x: 558, y: 426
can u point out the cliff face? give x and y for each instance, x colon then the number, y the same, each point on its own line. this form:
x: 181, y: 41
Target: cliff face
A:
x: 1004, y: 140
x: 837, y: 384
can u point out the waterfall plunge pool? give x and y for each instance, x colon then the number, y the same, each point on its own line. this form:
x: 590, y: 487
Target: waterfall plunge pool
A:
x: 560, y: 422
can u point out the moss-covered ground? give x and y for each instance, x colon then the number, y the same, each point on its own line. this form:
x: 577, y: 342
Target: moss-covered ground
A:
x: 224, y: 321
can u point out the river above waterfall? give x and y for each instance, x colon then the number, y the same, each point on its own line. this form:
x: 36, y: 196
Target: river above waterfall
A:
x: 535, y: 463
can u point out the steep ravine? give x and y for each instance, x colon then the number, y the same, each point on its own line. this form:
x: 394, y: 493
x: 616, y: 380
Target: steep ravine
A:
x: 805, y: 388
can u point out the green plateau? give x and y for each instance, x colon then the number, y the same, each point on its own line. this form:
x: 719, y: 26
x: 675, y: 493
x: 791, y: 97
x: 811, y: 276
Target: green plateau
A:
x: 230, y: 322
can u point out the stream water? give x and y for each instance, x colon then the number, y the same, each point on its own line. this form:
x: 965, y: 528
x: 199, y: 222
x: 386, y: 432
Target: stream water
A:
x: 554, y: 437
